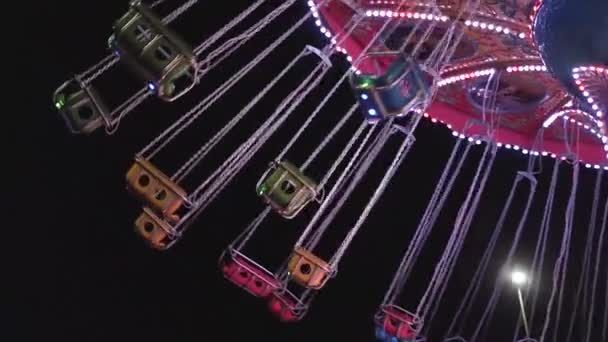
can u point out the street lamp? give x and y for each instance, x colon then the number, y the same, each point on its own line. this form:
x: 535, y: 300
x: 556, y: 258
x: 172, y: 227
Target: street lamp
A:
x: 519, y: 279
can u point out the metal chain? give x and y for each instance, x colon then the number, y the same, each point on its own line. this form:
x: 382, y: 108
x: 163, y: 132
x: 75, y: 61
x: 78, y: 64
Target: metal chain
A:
x: 243, y: 155
x: 541, y: 245
x: 116, y: 122
x: 246, y: 235
x: 466, y: 304
x: 600, y: 248
x: 449, y: 250
x: 423, y: 230
x: 183, y: 122
x: 359, y: 172
x: 330, y: 136
x: 559, y: 268
x: 179, y: 11
x: 342, y: 155
x: 227, y: 27
x: 101, y: 67
x: 187, y: 167
x: 499, y: 284
x: 402, y: 153
x: 584, y: 278
x: 266, y: 133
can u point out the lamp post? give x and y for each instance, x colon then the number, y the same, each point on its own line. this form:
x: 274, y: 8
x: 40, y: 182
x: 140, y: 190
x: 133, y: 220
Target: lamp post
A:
x: 519, y: 279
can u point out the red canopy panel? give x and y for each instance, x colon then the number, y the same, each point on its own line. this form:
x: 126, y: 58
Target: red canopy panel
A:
x: 495, y: 37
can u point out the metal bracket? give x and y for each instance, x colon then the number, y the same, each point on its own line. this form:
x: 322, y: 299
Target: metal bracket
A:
x: 455, y: 339
x: 107, y: 120
x: 324, y: 57
x: 527, y: 175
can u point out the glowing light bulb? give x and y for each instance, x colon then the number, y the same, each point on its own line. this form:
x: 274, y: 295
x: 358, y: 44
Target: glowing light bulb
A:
x: 519, y: 278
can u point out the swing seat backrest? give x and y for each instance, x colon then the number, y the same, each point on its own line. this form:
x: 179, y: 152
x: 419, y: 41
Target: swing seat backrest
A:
x: 308, y: 270
x: 154, y: 52
x: 155, y: 189
x: 399, y: 322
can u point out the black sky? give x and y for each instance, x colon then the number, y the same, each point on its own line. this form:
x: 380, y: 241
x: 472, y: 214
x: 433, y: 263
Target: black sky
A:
x: 79, y: 272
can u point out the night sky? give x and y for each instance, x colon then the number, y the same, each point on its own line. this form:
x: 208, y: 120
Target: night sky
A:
x: 78, y: 271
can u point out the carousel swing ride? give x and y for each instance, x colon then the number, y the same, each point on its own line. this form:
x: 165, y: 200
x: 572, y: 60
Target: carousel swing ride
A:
x: 500, y: 74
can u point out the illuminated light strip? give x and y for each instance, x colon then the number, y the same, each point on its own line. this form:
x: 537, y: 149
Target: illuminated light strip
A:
x: 426, y: 4
x: 315, y: 14
x: 526, y: 68
x: 593, y: 131
x: 534, y: 66
x: 535, y: 9
x: 576, y: 74
x: 485, y: 72
x: 327, y: 33
x: 466, y: 76
x: 399, y: 14
x: 551, y: 119
x: 492, y: 27
x: 603, y: 138
x: 599, y: 124
x: 395, y: 2
x: 469, y: 64
x: 525, y: 151
x: 601, y: 71
x: 533, y: 16
x: 547, y: 123
x: 483, y: 25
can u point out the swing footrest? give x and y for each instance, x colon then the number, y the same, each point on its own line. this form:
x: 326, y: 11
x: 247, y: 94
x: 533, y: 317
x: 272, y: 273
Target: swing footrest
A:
x: 249, y: 275
x: 287, y: 306
x: 157, y: 232
x: 393, y: 321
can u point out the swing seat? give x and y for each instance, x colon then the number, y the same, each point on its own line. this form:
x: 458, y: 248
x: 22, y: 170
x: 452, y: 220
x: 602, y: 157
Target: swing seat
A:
x: 249, y: 275
x: 155, y: 189
x: 156, y: 231
x: 396, y: 92
x: 154, y: 52
x: 286, y: 306
x: 396, y: 324
x: 80, y: 106
x: 308, y: 270
x: 286, y: 189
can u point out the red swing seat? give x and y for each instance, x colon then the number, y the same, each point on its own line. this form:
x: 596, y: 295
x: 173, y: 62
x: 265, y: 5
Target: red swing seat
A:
x: 287, y: 306
x: 249, y: 275
x: 398, y: 322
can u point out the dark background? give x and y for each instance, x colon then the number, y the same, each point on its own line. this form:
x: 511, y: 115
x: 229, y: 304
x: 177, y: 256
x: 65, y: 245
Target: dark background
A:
x: 79, y: 273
